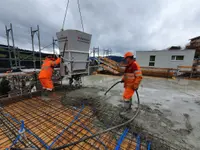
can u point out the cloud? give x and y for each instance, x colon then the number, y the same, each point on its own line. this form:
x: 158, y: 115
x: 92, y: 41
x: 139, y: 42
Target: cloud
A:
x: 119, y: 25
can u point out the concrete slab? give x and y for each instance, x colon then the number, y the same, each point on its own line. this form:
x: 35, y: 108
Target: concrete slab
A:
x: 169, y: 107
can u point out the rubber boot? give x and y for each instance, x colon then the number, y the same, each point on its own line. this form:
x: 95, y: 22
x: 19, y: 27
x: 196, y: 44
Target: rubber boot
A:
x: 126, y: 108
x: 53, y: 93
x: 121, y: 101
x: 45, y: 96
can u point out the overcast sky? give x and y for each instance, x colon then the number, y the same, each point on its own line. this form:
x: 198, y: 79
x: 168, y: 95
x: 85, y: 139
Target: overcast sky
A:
x: 121, y: 25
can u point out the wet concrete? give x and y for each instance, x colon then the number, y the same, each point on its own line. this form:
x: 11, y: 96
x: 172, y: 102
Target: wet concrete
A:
x: 170, y: 108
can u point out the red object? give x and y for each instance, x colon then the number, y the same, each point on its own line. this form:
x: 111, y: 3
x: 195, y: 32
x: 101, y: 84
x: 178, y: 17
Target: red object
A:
x: 46, y: 83
x: 128, y: 54
x: 132, y: 78
x: 46, y: 72
x: 128, y: 93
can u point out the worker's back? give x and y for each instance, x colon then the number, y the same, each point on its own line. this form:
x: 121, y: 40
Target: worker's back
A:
x: 47, y: 68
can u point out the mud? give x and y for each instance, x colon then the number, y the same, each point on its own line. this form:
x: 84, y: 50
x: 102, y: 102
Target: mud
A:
x: 169, y: 108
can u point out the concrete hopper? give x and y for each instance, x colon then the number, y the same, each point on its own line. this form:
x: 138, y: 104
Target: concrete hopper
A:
x: 74, y: 47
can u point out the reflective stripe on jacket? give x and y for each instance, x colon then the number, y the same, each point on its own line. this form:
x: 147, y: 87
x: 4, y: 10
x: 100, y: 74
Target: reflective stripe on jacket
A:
x: 132, y: 75
x: 47, y: 68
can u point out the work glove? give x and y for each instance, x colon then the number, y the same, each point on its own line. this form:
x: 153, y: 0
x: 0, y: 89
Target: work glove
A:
x: 60, y: 56
x: 122, y: 81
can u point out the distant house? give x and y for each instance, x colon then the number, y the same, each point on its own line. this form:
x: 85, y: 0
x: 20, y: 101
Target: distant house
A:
x: 195, y: 44
x: 166, y: 58
x: 174, y: 48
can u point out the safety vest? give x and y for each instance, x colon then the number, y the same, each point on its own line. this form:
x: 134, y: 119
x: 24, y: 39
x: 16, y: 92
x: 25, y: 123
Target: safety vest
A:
x: 47, y: 68
x: 132, y: 75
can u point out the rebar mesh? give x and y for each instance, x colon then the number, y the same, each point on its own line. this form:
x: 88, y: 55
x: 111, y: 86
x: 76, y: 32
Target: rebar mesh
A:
x: 47, y: 120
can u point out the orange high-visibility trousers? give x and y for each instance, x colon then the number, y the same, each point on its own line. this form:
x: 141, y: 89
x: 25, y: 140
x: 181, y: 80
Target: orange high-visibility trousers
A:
x: 46, y: 83
x: 128, y: 93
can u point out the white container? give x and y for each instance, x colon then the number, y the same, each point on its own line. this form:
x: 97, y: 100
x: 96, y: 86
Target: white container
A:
x: 74, y: 47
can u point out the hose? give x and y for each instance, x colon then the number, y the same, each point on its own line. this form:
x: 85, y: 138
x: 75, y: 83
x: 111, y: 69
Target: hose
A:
x: 107, y: 130
x: 112, y: 87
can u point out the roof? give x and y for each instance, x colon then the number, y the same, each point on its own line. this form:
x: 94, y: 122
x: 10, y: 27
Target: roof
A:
x: 174, y: 48
x: 168, y: 50
x: 195, y: 38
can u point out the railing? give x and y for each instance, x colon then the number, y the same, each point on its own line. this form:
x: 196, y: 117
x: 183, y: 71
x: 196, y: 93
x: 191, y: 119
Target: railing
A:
x: 20, y: 83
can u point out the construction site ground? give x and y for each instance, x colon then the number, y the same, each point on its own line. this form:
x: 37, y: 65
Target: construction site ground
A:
x: 50, y: 124
x: 169, y: 110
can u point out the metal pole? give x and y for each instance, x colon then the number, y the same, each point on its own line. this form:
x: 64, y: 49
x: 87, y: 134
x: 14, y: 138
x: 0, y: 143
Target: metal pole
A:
x: 98, y: 51
x: 13, y: 45
x: 9, y: 50
x: 93, y: 50
x: 53, y: 45
x: 38, y: 30
x: 32, y: 39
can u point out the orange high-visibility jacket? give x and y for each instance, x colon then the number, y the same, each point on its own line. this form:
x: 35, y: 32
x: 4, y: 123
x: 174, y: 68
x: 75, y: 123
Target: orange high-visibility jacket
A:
x: 47, y: 68
x: 132, y: 75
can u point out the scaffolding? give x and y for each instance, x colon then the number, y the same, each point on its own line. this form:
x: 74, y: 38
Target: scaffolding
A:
x: 37, y: 32
x: 9, y: 32
x: 95, y: 52
x: 18, y: 58
x: 107, y: 52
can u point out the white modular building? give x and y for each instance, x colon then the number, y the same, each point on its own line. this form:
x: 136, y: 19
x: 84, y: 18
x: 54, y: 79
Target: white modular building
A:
x: 166, y: 58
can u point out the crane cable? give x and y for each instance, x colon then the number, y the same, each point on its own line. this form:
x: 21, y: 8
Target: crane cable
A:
x: 81, y: 18
x: 66, y: 10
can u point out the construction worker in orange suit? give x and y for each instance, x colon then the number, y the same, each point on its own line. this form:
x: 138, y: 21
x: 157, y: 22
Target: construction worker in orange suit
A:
x: 45, y: 75
x: 131, y: 79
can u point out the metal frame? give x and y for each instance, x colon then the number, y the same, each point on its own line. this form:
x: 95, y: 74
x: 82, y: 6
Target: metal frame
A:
x: 33, y: 32
x: 107, y: 52
x: 94, y: 51
x: 69, y: 63
x: 54, y: 44
x: 9, y: 31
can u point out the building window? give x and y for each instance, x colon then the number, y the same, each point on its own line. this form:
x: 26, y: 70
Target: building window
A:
x: 174, y: 57
x: 152, y: 59
x: 151, y: 63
